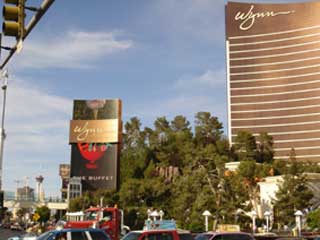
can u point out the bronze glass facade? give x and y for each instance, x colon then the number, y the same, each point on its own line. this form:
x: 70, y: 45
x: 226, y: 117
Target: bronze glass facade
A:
x: 273, y: 68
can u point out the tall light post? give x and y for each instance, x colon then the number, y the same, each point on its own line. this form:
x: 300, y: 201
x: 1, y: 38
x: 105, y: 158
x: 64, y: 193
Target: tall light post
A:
x: 4, y: 77
x: 267, y: 215
x: 254, y: 216
x: 154, y: 214
x: 206, y: 215
x: 298, y: 214
x: 161, y: 213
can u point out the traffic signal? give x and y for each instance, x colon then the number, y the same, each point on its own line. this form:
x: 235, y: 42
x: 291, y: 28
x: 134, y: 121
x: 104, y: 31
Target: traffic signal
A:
x: 14, y: 15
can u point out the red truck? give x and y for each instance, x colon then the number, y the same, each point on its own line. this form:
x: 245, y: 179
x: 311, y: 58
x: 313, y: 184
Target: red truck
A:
x: 110, y: 219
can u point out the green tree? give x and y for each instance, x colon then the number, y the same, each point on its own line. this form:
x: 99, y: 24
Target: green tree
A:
x: 207, y: 128
x: 313, y: 219
x: 81, y: 203
x: 134, y: 154
x: 245, y: 146
x: 249, y: 174
x: 265, y: 148
x: 293, y: 195
x: 21, y: 213
x: 44, y: 213
x: 191, y: 195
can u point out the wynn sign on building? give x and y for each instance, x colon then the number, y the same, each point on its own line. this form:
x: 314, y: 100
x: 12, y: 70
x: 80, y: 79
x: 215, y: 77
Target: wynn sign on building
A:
x: 273, y: 66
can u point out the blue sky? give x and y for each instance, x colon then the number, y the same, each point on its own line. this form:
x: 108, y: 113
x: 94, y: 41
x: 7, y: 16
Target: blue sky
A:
x: 160, y: 57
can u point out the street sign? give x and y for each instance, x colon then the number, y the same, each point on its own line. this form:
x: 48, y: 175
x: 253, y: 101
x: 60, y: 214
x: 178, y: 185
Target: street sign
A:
x: 36, y: 217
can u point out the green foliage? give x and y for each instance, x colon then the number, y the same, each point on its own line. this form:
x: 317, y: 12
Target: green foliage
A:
x: 245, y: 146
x: 207, y: 128
x: 44, y: 213
x: 293, y: 195
x: 182, y: 171
x: 21, y: 212
x: 265, y: 148
x: 313, y: 219
x: 280, y: 167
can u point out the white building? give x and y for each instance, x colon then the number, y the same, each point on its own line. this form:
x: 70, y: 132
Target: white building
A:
x: 270, y: 185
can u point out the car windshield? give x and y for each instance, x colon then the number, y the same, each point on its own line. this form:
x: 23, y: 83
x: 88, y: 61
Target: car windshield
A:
x: 233, y: 237
x: 131, y: 236
x: 90, y: 215
x: 203, y: 237
x: 185, y: 236
x: 45, y: 236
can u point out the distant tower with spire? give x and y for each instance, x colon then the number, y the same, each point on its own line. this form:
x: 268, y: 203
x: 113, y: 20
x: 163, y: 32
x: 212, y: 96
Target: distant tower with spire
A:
x: 40, y: 192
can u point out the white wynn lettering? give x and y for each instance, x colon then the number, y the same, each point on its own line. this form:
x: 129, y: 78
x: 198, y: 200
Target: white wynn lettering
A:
x: 247, y: 19
x: 84, y: 131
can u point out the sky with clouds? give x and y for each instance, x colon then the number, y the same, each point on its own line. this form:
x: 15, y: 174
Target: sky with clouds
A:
x: 161, y: 58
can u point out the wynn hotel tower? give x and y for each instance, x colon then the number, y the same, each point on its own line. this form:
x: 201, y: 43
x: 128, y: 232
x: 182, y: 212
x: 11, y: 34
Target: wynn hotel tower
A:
x: 273, y: 72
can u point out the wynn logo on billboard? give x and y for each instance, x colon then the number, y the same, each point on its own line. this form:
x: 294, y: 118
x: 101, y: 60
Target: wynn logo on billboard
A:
x: 273, y: 75
x: 95, y: 137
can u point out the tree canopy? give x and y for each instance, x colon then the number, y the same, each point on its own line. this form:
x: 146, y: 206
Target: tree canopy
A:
x: 180, y: 168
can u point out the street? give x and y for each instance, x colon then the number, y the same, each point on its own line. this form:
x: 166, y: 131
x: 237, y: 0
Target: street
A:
x: 6, y: 233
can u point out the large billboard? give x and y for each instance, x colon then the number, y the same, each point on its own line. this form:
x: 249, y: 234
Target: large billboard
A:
x: 95, y: 138
x: 273, y: 73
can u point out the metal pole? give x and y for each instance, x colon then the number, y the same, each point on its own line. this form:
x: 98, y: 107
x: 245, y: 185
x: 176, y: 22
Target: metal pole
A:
x: 254, y: 224
x: 2, y: 131
x: 206, y: 223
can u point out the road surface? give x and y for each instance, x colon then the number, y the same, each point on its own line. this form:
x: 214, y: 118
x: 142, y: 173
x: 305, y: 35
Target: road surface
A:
x: 6, y: 233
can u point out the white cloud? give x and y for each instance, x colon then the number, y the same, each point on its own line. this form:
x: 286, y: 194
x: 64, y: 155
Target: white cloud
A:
x: 37, y: 127
x: 75, y: 49
x: 209, y: 79
x: 35, y: 116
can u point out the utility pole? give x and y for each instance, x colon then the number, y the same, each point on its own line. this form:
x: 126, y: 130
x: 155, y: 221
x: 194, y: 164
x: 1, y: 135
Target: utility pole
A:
x: 4, y: 77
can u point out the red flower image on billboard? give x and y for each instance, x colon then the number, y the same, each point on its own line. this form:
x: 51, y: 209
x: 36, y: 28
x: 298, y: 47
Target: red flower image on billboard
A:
x: 92, y: 152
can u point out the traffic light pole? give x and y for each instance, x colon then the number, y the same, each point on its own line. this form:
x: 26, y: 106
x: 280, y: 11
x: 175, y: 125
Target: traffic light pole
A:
x: 33, y: 22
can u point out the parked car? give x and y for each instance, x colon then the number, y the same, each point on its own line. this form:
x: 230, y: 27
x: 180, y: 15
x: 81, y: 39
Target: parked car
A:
x: 224, y: 236
x: 75, y: 234
x: 153, y: 234
x: 14, y: 238
x: 16, y: 227
x: 6, y: 225
x: 27, y: 236
x: 185, y: 235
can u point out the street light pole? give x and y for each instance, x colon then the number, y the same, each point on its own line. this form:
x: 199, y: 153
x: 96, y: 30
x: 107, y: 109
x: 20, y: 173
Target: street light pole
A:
x: 298, y: 214
x: 254, y: 216
x: 206, y: 215
x: 4, y: 76
x: 267, y: 216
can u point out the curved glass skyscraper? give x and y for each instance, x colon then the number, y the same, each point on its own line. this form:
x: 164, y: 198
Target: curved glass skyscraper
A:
x: 273, y: 66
